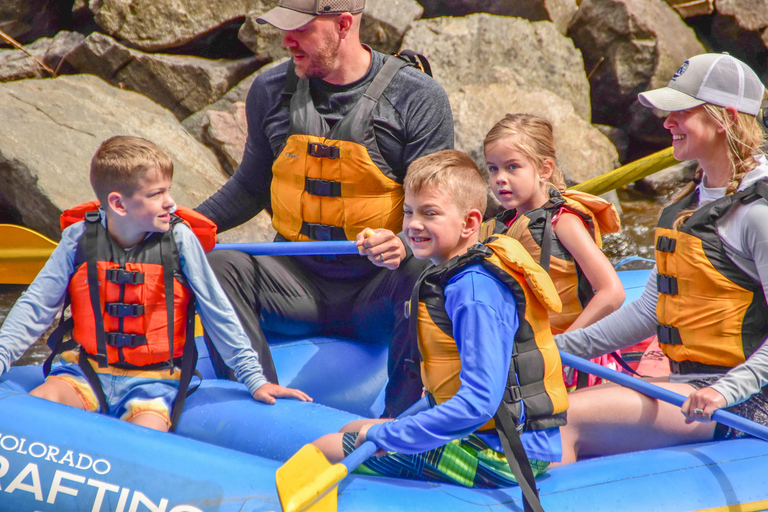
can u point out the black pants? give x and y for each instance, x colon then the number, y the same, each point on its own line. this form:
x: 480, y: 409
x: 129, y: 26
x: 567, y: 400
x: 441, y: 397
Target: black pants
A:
x: 280, y: 294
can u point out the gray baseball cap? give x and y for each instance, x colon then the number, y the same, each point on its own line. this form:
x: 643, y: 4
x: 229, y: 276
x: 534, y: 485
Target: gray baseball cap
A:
x: 715, y: 78
x: 292, y: 14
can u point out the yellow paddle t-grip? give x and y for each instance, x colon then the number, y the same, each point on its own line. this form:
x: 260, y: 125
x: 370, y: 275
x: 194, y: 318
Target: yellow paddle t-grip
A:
x: 307, y: 481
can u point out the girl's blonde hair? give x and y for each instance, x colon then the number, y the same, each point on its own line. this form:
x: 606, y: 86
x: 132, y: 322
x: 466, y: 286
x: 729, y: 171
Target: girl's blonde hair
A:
x: 534, y: 137
x: 745, y: 138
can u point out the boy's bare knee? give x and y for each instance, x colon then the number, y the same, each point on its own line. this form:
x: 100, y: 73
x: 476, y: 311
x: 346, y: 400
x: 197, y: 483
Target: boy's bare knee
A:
x: 59, y: 392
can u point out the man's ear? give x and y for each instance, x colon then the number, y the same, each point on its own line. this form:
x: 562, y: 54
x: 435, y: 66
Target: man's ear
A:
x: 116, y: 203
x: 472, y: 222
x: 345, y: 22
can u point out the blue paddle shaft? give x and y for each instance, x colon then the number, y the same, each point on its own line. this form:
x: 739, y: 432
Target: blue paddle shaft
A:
x: 721, y: 416
x: 293, y: 248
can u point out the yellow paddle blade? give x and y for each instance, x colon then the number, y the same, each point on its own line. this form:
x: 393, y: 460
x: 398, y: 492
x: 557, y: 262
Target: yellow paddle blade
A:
x: 23, y: 253
x: 308, y: 481
x: 628, y: 173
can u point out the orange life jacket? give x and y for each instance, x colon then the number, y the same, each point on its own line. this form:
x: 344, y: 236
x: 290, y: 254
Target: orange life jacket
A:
x: 135, y: 323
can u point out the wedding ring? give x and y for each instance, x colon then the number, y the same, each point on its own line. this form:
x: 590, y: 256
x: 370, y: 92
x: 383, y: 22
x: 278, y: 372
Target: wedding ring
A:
x: 381, y: 256
x: 698, y: 411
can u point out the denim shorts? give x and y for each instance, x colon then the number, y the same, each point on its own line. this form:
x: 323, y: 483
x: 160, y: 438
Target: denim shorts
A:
x: 128, y: 393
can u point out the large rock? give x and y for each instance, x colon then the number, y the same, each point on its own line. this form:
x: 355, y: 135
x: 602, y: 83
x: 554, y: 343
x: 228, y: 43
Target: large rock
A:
x: 688, y: 8
x: 560, y: 12
x: 181, y: 83
x: 27, y: 20
x: 225, y: 133
x: 630, y: 46
x: 582, y: 151
x: 20, y: 64
x: 51, y: 130
x: 154, y: 25
x: 736, y: 28
x: 194, y: 123
x: 470, y: 51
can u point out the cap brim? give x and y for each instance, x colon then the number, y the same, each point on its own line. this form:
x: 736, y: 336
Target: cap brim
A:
x: 285, y: 19
x: 668, y: 99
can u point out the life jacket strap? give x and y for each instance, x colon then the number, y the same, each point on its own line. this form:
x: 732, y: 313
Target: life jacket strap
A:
x: 119, y: 309
x: 668, y: 335
x: 666, y: 244
x: 319, y: 150
x: 122, y: 340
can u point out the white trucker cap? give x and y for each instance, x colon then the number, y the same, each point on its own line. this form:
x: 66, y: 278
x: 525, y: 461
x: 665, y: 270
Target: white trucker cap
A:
x: 715, y: 78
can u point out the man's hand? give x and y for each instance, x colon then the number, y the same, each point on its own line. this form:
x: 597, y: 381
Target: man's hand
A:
x: 382, y: 247
x: 269, y: 393
x: 702, y: 403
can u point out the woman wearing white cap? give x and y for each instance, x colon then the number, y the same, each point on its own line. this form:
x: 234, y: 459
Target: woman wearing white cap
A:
x: 706, y: 297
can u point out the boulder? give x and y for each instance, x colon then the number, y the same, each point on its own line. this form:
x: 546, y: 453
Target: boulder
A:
x: 225, y: 133
x: 385, y: 22
x: 265, y: 41
x: 750, y: 15
x: 194, y: 123
x: 630, y: 46
x: 688, y: 8
x: 183, y: 84
x: 469, y: 51
x: 27, y: 20
x: 582, y: 151
x: 560, y: 12
x: 736, y: 28
x: 153, y: 25
x: 52, y: 129
x: 20, y: 64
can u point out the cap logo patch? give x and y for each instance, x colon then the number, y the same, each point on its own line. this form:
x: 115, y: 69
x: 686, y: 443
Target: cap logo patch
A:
x: 680, y: 71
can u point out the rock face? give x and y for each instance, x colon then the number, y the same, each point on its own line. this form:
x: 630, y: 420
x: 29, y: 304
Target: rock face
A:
x: 469, y: 51
x: 52, y: 129
x: 27, y: 20
x: 154, y: 25
x: 630, y: 46
x: 18, y: 64
x: 181, y: 83
x: 560, y: 12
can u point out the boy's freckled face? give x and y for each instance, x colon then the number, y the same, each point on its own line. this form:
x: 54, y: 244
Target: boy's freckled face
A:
x: 149, y: 208
x: 432, y: 225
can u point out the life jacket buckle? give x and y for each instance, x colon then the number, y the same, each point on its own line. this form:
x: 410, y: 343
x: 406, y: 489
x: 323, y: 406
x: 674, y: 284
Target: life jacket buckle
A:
x: 666, y: 244
x: 119, y: 309
x: 666, y: 284
x: 512, y: 394
x: 325, y: 188
x: 668, y: 335
x: 322, y: 151
x: 120, y: 276
x: 407, y: 309
x: 122, y: 340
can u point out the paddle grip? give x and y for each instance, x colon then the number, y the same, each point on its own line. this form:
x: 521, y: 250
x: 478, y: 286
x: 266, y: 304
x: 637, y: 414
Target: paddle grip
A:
x: 293, y: 248
x: 721, y: 416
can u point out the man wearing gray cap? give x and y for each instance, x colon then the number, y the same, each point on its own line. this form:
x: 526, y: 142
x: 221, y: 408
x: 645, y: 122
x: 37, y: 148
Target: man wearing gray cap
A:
x: 330, y: 136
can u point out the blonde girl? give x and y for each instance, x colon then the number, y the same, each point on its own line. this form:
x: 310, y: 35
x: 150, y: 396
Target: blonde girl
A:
x: 560, y: 229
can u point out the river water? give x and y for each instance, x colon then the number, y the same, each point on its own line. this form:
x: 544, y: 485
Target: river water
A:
x: 639, y: 219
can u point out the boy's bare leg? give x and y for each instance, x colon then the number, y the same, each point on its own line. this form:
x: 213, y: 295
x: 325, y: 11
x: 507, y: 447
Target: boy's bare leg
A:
x: 56, y: 390
x: 357, y: 425
x: 331, y: 446
x: 150, y: 420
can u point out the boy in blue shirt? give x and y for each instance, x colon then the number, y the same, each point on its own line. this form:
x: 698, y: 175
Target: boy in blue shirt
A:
x: 134, y: 272
x: 480, y: 307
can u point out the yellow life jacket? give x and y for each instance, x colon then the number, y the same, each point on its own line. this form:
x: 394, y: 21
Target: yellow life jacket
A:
x: 712, y: 315
x: 534, y: 231
x: 331, y: 183
x: 535, y: 377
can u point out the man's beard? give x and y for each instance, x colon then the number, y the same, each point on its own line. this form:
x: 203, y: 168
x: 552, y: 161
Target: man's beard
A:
x: 322, y: 61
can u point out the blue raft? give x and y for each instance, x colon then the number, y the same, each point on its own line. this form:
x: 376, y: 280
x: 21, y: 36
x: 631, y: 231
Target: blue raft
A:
x: 228, y: 446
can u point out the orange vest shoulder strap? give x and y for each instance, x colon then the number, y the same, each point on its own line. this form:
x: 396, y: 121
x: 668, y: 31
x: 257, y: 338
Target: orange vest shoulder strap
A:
x: 76, y: 213
x: 202, y: 226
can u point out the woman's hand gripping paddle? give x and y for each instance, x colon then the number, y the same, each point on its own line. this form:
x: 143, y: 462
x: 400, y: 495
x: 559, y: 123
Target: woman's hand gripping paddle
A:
x: 721, y: 416
x: 307, y: 481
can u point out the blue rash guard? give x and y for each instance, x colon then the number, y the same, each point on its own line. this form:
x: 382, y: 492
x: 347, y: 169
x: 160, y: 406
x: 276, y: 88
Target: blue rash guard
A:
x: 484, y: 316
